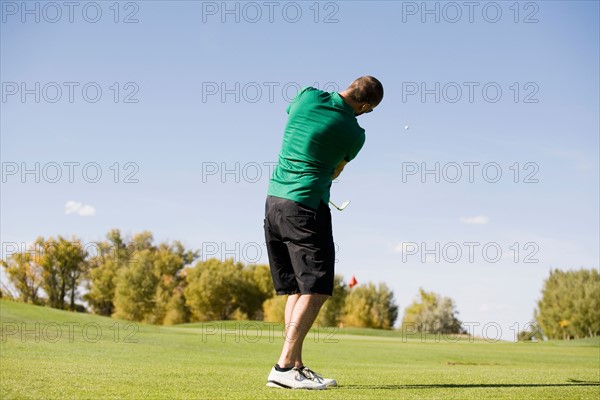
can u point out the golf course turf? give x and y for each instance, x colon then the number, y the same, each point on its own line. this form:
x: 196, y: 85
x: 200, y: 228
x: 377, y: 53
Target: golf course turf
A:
x: 53, y: 354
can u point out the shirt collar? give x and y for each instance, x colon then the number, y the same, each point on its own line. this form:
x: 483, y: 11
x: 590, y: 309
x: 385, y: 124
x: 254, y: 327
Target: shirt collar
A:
x: 340, y: 102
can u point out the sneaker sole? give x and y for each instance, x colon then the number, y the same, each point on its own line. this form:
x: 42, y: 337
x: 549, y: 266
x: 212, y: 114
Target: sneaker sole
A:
x: 278, y: 385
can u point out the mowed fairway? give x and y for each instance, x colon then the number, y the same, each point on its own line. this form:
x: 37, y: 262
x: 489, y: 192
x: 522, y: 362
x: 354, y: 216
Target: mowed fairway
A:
x: 73, y: 356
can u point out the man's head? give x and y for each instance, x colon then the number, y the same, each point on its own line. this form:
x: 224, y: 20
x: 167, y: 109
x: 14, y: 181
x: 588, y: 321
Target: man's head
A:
x: 364, y: 94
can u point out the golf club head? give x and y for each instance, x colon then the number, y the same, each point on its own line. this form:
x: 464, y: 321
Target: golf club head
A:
x: 344, y: 204
x: 340, y: 208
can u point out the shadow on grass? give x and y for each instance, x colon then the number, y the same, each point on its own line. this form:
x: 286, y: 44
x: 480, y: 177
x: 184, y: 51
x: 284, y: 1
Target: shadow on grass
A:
x: 471, y: 385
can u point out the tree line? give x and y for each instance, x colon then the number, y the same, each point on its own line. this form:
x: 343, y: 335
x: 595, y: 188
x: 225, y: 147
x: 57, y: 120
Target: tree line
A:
x: 138, y: 280
x: 163, y: 283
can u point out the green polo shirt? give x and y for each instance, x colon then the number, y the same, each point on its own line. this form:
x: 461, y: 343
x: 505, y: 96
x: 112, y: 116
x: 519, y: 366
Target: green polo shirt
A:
x: 321, y: 131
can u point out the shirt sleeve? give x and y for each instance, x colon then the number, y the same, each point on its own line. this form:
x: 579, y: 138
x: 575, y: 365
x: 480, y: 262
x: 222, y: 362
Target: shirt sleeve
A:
x: 358, y: 144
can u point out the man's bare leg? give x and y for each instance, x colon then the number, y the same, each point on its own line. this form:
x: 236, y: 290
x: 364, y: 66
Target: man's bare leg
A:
x: 289, y: 308
x: 302, y: 311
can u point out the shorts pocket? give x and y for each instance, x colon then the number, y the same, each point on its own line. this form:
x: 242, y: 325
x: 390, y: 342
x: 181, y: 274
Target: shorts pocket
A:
x: 301, y: 227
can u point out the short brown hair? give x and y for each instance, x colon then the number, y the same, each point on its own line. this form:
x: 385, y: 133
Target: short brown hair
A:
x: 366, y: 89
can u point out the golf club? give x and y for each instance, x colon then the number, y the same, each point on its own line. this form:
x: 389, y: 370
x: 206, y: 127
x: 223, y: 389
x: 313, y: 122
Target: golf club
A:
x: 340, y: 208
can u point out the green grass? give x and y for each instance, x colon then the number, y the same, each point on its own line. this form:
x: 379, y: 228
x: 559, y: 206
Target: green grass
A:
x: 195, y: 361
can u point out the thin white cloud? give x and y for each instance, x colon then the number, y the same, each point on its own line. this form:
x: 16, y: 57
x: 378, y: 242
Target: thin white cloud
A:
x: 84, y: 210
x: 478, y: 220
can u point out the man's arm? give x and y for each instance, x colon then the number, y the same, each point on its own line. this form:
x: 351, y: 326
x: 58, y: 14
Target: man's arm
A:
x: 350, y: 155
x: 338, y: 169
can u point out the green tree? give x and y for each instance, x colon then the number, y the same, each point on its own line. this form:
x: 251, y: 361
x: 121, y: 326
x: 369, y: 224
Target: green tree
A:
x: 214, y: 288
x: 331, y: 312
x: 113, y: 255
x: 432, y: 313
x: 370, y: 306
x: 257, y: 288
x: 63, y: 265
x: 25, y: 275
x: 177, y: 311
x: 226, y: 290
x: 135, y: 289
x: 141, y: 281
x: 142, y: 241
x: 169, y: 262
x: 569, y: 306
x: 274, y: 309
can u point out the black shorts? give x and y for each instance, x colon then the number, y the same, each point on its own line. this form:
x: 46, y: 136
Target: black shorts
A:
x: 300, y: 247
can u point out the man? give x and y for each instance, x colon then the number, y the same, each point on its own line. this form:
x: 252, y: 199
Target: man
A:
x: 320, y: 138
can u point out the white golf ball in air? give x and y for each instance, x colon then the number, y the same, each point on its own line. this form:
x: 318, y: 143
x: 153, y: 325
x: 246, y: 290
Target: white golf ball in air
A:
x: 406, y: 127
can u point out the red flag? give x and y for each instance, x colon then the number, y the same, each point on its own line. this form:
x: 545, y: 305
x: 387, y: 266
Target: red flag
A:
x: 353, y: 282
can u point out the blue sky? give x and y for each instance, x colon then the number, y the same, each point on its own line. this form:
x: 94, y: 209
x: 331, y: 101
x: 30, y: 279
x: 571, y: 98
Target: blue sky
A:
x: 206, y: 94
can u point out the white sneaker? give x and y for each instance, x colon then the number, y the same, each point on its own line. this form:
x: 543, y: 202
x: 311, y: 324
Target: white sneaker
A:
x: 318, y: 378
x: 293, y: 379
